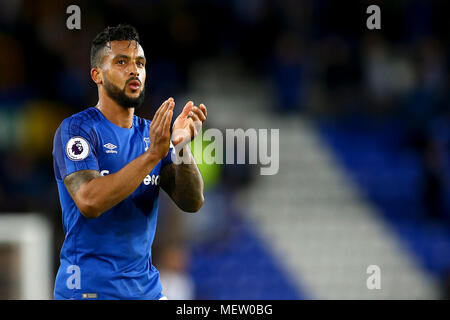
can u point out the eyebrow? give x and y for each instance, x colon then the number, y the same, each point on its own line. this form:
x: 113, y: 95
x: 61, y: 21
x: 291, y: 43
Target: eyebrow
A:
x: 128, y: 57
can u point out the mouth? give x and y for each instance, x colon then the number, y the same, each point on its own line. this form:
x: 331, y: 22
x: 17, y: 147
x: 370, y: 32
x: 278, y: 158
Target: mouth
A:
x: 134, y: 85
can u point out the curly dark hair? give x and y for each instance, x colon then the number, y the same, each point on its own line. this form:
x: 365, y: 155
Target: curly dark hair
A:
x: 101, y: 40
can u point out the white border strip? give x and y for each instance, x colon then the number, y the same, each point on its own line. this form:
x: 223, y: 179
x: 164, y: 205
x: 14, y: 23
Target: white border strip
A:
x: 32, y: 233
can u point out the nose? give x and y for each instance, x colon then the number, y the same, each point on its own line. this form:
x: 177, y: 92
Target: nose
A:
x: 133, y: 70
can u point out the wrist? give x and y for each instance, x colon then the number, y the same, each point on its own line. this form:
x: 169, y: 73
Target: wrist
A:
x: 150, y: 156
x: 182, y: 154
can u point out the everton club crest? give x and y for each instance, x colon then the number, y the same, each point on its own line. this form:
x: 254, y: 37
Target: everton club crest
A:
x: 147, y: 143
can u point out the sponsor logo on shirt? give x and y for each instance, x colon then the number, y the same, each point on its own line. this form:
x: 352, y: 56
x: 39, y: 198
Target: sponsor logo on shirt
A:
x: 151, y: 179
x: 148, y: 180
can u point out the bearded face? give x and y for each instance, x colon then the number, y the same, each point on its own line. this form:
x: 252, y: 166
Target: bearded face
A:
x: 123, y: 73
x: 121, y: 97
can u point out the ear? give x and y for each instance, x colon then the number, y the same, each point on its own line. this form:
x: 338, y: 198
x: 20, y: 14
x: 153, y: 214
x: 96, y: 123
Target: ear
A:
x: 96, y: 75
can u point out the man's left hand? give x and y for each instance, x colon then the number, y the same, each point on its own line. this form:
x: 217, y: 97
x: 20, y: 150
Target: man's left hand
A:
x: 188, y: 124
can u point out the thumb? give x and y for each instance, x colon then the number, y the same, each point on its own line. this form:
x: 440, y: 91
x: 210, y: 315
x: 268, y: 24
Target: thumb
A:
x: 180, y: 137
x: 177, y: 140
x: 187, y: 108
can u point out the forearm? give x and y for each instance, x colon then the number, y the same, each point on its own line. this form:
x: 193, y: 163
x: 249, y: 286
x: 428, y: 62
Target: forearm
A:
x: 184, y: 184
x: 102, y: 193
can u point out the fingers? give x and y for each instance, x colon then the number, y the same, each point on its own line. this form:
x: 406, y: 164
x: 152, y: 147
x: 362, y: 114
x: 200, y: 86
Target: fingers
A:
x: 192, y: 130
x: 204, y: 110
x: 200, y: 114
x: 168, y: 117
x: 194, y: 115
x: 189, y: 123
x: 157, y: 117
x: 159, y: 132
x: 187, y: 108
x: 160, y: 113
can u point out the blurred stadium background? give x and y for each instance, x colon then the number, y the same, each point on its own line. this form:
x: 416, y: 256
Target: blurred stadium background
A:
x: 364, y: 143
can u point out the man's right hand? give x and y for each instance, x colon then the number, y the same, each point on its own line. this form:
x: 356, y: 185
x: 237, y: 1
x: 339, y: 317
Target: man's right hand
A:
x: 160, y: 129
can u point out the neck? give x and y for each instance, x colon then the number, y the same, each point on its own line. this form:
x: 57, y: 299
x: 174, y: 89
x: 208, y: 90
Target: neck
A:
x: 120, y: 116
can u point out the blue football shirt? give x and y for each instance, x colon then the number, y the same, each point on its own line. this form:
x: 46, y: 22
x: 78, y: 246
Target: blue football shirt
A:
x: 108, y: 257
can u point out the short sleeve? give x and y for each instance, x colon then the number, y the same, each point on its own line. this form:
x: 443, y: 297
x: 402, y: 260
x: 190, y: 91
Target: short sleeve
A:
x: 74, y: 148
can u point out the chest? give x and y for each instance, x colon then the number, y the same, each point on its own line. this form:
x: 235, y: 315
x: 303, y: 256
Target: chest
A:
x: 116, y: 149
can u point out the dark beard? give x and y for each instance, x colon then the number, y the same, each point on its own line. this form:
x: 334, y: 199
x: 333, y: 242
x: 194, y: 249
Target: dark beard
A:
x: 121, y: 98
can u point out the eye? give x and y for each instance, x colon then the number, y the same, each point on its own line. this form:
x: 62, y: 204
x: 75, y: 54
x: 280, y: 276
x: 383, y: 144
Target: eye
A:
x: 141, y: 64
x: 121, y: 61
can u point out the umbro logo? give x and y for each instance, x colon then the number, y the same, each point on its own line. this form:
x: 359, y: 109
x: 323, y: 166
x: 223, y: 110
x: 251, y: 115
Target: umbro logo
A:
x: 110, y: 148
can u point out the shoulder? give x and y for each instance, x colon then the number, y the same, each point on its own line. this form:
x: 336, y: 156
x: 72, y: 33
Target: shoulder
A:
x: 85, y: 120
x: 80, y: 125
